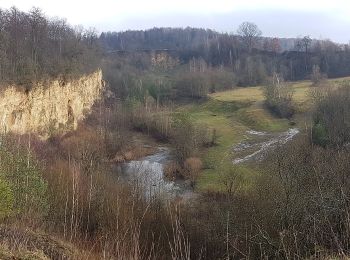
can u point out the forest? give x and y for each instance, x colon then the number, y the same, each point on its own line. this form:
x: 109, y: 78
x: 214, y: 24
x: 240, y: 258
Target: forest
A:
x: 35, y: 48
x: 245, y: 52
x: 205, y: 145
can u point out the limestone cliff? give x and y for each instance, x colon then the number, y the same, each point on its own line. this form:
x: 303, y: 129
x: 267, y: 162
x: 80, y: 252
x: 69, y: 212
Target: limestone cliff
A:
x: 50, y: 106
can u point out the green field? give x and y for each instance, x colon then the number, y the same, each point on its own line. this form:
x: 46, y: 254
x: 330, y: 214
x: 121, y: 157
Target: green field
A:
x: 232, y: 113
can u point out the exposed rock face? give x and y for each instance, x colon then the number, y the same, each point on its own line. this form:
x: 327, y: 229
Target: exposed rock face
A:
x: 49, y: 107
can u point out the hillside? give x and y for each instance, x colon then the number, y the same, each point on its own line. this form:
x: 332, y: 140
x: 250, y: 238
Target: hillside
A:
x: 187, y: 144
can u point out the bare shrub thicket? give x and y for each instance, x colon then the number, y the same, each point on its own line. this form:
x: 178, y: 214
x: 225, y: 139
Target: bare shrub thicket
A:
x: 155, y: 121
x: 34, y: 47
x: 317, y: 77
x: 88, y: 206
x: 297, y: 208
x: 332, y: 118
x: 192, y: 169
x: 279, y: 97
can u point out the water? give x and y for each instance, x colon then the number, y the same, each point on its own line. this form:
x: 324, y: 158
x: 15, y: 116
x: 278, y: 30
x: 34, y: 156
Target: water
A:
x: 252, y: 132
x: 148, y: 174
x: 257, y: 151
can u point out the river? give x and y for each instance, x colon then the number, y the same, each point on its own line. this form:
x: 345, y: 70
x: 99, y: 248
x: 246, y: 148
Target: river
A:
x: 147, y: 173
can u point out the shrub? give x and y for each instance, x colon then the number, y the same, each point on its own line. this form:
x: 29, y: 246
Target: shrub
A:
x: 192, y: 169
x: 22, y: 174
x: 332, y: 118
x: 319, y: 134
x: 316, y: 75
x: 172, y: 170
x: 279, y: 97
x: 232, y: 179
x: 6, y: 201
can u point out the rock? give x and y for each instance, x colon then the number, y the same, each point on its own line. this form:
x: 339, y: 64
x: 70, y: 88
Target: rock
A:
x: 49, y: 106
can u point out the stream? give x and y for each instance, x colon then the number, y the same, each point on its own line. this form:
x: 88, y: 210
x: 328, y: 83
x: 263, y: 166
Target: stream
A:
x: 259, y: 144
x: 147, y: 174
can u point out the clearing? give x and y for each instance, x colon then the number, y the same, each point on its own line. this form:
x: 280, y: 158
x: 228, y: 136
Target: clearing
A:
x: 235, y: 112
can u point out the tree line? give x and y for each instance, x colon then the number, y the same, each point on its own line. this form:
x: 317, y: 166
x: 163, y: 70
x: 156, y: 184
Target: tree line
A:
x: 34, y: 47
x: 245, y: 52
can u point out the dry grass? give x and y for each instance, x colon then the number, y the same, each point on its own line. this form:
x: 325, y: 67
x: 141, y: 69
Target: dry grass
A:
x: 255, y: 94
x: 6, y: 253
x: 248, y: 94
x: 26, y: 244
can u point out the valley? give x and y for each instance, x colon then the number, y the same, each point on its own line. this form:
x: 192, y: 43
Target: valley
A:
x: 171, y: 143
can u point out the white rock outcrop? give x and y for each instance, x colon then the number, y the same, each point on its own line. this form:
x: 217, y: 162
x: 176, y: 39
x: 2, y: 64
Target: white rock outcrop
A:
x: 50, y: 106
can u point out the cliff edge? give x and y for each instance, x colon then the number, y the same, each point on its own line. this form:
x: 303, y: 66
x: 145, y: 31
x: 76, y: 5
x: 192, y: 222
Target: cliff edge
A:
x: 48, y: 107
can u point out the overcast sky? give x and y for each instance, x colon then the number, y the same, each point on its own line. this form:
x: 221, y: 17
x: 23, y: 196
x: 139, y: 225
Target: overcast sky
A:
x: 283, y: 18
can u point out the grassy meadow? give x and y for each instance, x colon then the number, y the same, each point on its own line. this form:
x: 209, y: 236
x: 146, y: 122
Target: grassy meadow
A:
x: 232, y: 113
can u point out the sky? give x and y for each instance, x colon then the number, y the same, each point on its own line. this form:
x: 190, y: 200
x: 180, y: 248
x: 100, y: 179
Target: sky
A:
x: 321, y: 19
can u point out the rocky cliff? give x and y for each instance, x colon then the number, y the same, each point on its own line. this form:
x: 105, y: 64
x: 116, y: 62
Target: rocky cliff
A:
x: 47, y: 107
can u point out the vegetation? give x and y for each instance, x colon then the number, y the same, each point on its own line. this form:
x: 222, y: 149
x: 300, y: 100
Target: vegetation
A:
x: 331, y: 120
x: 68, y: 196
x: 250, y: 56
x: 279, y: 97
x: 33, y: 47
x: 23, y: 188
x: 6, y: 204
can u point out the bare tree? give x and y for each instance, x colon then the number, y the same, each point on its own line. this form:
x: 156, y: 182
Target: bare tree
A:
x: 249, y: 33
x: 279, y: 96
x: 303, y: 44
x: 33, y: 47
x: 306, y: 42
x: 272, y: 45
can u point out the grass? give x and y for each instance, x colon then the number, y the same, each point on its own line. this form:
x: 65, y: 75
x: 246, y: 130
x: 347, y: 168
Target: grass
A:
x: 249, y: 94
x: 217, y: 114
x: 258, y: 118
x: 21, y: 253
x: 232, y: 113
x: 17, y: 243
x: 255, y: 94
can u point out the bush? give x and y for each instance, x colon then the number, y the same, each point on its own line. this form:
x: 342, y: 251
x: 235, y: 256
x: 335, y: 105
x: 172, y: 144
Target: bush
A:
x: 319, y: 134
x: 192, y: 169
x: 316, y: 76
x: 332, y: 118
x: 279, y: 97
x: 6, y: 201
x: 193, y: 85
x: 21, y: 172
x: 172, y: 171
